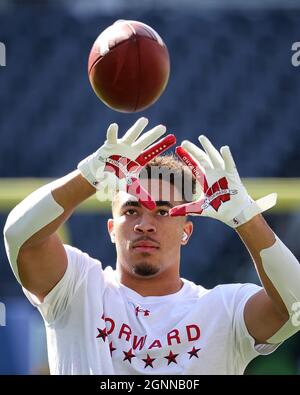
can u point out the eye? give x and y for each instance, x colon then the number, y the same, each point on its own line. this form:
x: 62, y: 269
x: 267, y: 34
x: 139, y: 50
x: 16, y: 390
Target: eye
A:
x: 130, y: 212
x: 163, y: 213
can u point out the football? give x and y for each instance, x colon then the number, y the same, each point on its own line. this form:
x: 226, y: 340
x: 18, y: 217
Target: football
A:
x: 129, y: 66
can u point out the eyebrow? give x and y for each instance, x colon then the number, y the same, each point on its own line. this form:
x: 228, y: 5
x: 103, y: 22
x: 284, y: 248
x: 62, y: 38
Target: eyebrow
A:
x: 131, y: 203
x: 160, y: 203
x: 134, y: 203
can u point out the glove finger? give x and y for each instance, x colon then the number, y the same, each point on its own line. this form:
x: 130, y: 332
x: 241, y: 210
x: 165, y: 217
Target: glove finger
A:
x: 141, y: 194
x: 192, y: 164
x: 150, y: 137
x: 133, y: 133
x: 186, y: 209
x: 198, y: 154
x: 112, y: 133
x: 156, y: 149
x: 212, y: 152
x: 228, y: 159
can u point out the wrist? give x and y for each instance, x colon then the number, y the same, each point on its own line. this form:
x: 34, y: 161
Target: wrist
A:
x: 253, y: 209
x: 71, y: 190
x: 88, y: 172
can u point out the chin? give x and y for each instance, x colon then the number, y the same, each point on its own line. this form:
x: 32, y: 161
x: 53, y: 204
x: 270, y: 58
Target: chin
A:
x: 145, y: 269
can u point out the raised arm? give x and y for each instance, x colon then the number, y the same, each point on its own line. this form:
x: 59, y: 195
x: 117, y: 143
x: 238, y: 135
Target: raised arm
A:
x: 269, y: 314
x: 35, y: 252
x: 34, y: 249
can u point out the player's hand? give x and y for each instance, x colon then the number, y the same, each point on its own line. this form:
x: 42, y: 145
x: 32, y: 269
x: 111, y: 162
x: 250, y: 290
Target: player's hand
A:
x: 125, y: 157
x: 223, y: 197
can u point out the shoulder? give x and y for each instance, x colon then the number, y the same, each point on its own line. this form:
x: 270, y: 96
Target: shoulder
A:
x: 190, y: 288
x: 224, y: 289
x: 82, y: 267
x: 76, y: 252
x: 228, y: 294
x: 234, y: 295
x: 80, y: 258
x: 234, y: 289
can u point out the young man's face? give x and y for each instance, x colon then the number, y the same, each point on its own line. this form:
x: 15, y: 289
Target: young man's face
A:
x: 148, y: 241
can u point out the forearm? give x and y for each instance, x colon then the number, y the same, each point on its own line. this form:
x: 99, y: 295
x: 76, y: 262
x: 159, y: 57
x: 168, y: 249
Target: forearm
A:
x: 71, y: 190
x: 68, y: 191
x: 41, y: 213
x: 257, y: 236
x: 36, y: 218
x: 279, y: 271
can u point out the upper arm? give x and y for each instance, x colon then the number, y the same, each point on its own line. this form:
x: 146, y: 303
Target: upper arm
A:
x: 262, y: 318
x: 42, y: 266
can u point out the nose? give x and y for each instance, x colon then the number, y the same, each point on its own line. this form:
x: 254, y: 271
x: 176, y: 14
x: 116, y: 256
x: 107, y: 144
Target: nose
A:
x: 145, y: 225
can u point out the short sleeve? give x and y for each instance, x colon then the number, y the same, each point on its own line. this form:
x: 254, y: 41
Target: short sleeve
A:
x: 58, y: 299
x: 244, y: 342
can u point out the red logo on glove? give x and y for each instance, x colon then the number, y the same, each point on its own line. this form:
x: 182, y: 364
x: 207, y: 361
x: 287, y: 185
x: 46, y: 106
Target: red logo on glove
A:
x: 217, y: 193
x: 214, y: 196
x: 130, y: 169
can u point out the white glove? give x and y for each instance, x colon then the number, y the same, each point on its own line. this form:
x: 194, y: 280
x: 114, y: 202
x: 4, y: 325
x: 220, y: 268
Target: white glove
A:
x: 125, y: 157
x: 224, y: 196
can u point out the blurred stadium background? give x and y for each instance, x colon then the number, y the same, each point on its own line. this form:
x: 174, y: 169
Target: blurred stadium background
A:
x: 231, y: 77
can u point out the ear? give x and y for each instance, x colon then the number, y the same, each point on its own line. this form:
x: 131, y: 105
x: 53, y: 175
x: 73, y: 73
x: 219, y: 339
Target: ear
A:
x: 187, y: 232
x: 110, y: 228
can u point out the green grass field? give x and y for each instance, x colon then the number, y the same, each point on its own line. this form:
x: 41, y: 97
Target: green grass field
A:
x: 14, y: 190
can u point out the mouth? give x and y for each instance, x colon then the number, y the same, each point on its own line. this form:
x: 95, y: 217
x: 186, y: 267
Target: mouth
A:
x: 145, y: 246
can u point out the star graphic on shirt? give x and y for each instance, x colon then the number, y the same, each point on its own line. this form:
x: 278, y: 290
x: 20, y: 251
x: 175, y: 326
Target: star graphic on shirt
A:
x: 171, y: 357
x: 148, y: 361
x: 111, y: 348
x: 102, y: 333
x: 194, y: 352
x: 128, y: 355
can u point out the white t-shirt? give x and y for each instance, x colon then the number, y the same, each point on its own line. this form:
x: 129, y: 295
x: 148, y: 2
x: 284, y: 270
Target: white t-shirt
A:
x: 95, y: 325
